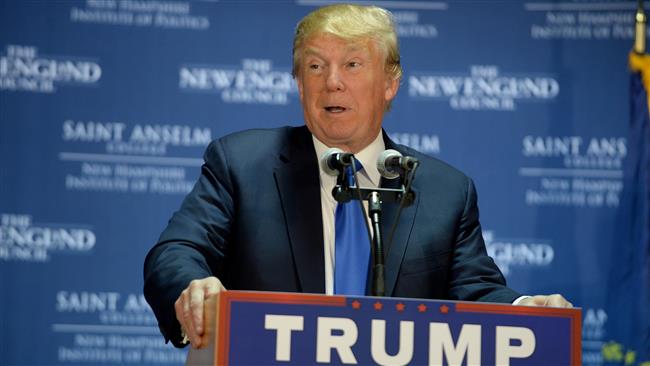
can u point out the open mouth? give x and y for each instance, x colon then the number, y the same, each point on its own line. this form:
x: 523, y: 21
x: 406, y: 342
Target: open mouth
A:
x: 335, y: 109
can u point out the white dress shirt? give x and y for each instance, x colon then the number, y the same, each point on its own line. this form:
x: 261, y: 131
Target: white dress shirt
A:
x: 368, y: 177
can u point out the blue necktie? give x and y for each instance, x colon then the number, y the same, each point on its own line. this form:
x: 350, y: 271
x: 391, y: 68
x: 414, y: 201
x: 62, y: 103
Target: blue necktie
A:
x: 352, y: 247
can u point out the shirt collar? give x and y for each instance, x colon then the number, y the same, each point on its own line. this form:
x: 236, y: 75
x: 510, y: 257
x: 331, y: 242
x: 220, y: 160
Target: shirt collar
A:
x: 368, y: 156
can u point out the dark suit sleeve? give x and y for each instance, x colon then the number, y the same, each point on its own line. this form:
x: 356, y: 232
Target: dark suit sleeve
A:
x: 194, y: 244
x: 474, y: 275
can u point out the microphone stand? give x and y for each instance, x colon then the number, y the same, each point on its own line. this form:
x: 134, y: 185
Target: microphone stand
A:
x: 378, y: 276
x: 343, y: 193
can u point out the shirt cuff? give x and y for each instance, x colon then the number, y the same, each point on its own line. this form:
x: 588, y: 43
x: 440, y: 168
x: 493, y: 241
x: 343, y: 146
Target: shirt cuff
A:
x: 519, y: 299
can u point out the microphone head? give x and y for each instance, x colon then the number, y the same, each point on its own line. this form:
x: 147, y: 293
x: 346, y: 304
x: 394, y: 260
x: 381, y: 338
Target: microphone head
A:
x: 325, y: 160
x: 386, y: 156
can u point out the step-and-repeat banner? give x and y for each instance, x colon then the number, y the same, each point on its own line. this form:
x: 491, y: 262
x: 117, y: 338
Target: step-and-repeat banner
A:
x: 106, y: 107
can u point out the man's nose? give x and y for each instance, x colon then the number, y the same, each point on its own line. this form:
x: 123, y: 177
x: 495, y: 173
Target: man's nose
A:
x: 335, y: 80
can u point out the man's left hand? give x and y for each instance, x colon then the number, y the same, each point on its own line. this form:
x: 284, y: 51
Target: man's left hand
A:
x: 555, y: 301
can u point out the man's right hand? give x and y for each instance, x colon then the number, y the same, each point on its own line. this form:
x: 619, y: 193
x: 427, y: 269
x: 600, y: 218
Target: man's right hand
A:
x: 189, y: 306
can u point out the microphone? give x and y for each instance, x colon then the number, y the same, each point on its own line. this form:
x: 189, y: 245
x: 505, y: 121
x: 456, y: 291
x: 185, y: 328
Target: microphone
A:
x: 391, y: 163
x: 335, y: 160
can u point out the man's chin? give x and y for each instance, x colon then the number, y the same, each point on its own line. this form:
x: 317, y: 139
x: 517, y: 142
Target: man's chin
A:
x: 346, y: 143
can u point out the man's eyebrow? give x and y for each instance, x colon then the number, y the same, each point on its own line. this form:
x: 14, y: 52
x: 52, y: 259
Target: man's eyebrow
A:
x: 312, y: 51
x: 351, y: 48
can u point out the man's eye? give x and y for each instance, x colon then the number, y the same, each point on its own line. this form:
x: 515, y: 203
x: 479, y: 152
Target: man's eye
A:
x: 353, y: 64
x: 314, y: 67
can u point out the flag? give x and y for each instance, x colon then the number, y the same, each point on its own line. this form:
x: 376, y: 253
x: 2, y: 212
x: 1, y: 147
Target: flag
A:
x: 628, y: 288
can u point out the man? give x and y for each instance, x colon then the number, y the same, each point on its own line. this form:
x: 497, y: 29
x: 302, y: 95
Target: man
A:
x: 261, y: 216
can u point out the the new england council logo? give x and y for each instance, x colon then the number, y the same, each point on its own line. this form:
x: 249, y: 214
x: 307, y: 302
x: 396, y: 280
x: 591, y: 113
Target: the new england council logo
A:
x: 509, y: 253
x: 23, y: 240
x: 483, y: 88
x: 22, y: 68
x: 254, y: 82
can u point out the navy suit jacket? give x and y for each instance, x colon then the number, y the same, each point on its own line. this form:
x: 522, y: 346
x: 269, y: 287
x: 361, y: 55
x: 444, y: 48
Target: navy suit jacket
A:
x: 254, y: 221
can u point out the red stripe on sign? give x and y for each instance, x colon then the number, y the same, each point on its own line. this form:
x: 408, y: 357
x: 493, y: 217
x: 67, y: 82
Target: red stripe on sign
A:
x: 223, y: 341
x: 286, y: 298
x: 467, y: 307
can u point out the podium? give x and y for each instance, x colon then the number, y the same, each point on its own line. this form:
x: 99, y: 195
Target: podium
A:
x: 269, y: 328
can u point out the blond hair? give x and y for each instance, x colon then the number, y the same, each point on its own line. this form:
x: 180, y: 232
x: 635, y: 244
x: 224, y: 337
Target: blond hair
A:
x: 351, y: 23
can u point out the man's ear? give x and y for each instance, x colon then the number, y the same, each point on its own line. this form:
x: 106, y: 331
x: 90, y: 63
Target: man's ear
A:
x: 392, y: 85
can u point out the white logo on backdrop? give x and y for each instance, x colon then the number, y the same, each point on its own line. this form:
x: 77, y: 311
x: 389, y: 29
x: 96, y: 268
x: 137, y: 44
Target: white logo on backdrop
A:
x: 109, y: 327
x: 518, y: 253
x: 23, y: 240
x: 133, y: 158
x: 424, y: 143
x: 593, y: 335
x: 574, y: 171
x: 256, y: 81
x: 483, y: 88
x: 408, y: 25
x: 582, y: 20
x: 141, y: 13
x: 23, y: 69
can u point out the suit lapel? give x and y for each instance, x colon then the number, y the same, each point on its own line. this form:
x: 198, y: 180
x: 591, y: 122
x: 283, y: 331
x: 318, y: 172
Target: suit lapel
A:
x: 395, y: 250
x: 297, y: 179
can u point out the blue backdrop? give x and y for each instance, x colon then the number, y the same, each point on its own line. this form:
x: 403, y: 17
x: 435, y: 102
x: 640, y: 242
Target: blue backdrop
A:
x: 106, y: 107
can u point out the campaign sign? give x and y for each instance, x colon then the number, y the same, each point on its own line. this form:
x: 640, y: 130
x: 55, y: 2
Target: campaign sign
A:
x: 299, y: 329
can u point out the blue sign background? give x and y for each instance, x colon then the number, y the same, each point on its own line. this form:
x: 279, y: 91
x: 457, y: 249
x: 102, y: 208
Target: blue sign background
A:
x: 251, y: 343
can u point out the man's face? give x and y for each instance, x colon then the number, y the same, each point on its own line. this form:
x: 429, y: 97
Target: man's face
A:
x: 344, y: 91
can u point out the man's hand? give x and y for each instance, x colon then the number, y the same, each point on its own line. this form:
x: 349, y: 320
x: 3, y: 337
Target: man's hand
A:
x: 189, y: 307
x: 555, y: 301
